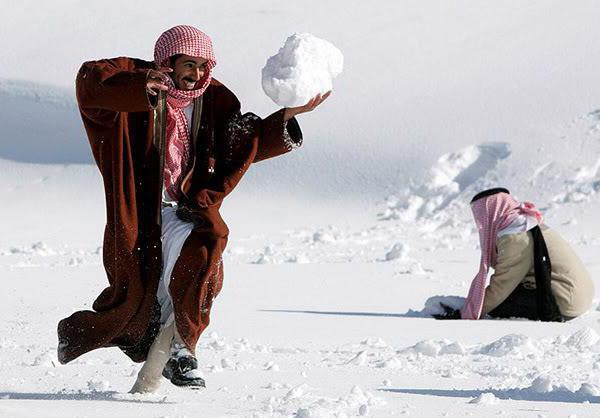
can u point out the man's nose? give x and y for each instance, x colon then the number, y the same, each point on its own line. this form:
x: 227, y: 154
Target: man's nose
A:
x: 199, y: 73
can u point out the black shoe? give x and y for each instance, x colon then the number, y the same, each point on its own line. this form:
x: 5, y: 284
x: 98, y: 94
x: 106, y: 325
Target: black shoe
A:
x: 183, y: 371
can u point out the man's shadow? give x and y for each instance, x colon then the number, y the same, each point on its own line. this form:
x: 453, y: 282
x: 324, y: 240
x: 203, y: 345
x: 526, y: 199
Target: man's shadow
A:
x: 109, y: 396
x: 432, y: 306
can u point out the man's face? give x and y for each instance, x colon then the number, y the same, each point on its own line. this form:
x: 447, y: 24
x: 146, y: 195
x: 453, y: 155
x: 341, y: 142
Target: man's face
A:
x: 187, y: 71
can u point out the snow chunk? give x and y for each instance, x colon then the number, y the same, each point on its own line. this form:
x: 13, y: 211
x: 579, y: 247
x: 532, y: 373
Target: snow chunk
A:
x: 304, y: 67
x: 398, y: 252
x: 47, y: 359
x: 485, y: 399
x: 512, y: 344
x: 583, y: 338
x: 542, y: 384
x: 98, y: 385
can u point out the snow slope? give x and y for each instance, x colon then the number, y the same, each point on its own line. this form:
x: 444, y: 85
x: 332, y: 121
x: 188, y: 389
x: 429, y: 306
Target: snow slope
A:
x: 325, y: 312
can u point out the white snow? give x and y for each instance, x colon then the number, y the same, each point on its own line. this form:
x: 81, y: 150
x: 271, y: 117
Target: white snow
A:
x: 304, y: 67
x: 438, y: 100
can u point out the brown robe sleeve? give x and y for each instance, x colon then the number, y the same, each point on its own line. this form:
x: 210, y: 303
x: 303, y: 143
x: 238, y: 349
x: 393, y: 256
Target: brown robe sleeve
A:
x: 113, y: 85
x: 274, y: 135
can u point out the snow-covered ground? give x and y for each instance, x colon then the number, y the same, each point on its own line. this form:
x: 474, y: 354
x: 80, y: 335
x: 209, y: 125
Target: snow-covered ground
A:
x: 327, y: 296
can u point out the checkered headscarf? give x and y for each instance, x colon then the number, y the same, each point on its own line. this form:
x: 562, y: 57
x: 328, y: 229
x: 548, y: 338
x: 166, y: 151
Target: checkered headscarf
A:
x: 492, y: 214
x: 190, y: 41
x: 186, y: 40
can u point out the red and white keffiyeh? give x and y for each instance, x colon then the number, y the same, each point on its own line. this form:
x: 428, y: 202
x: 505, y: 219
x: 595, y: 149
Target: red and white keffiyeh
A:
x: 492, y: 214
x: 190, y: 41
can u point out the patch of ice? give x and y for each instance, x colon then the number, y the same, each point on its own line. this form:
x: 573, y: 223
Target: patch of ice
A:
x: 304, y: 67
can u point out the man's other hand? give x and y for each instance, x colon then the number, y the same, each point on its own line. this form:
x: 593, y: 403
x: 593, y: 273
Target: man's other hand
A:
x: 290, y: 112
x: 449, y: 312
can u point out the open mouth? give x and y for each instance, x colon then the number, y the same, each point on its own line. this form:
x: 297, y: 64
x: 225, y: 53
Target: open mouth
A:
x: 188, y: 83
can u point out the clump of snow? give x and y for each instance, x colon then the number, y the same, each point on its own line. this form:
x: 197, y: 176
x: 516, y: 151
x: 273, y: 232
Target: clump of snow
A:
x: 359, y: 360
x: 428, y: 348
x: 584, y: 338
x: 96, y: 385
x: 37, y: 248
x: 324, y: 237
x: 542, y: 384
x: 485, y: 399
x: 512, y: 345
x: 374, y: 342
x: 304, y: 67
x: 47, y: 359
x: 399, y: 251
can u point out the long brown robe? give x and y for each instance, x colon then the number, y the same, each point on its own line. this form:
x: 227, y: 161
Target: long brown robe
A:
x: 126, y: 129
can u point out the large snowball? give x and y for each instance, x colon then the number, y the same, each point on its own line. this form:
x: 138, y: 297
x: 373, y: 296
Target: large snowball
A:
x: 304, y: 67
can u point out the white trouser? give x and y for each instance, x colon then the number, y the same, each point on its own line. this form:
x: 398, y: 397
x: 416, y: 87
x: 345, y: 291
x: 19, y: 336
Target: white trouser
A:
x: 173, y: 235
x: 150, y: 375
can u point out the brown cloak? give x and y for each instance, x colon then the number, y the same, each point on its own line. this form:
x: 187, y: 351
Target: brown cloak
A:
x: 126, y: 130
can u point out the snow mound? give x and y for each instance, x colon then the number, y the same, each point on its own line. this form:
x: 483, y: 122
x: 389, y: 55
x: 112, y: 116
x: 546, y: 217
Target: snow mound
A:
x: 583, y: 339
x: 512, y: 345
x: 446, y: 180
x: 304, y: 67
x: 299, y: 402
x: 485, y: 399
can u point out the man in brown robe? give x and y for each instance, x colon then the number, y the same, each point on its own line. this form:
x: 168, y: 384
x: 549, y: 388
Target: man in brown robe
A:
x: 171, y: 144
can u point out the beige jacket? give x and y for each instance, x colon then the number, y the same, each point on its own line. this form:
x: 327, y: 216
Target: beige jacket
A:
x: 571, y: 283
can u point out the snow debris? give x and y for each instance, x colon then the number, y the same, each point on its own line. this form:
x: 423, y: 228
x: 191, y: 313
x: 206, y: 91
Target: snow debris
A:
x: 486, y: 398
x: 447, y: 179
x: 95, y: 385
x: 271, y: 366
x: 374, y: 342
x: 323, y: 237
x: 37, y: 248
x: 46, y: 359
x: 304, y: 67
x: 582, y: 339
x: 398, y: 252
x: 512, y: 345
x: 359, y: 360
x: 427, y: 348
x: 542, y: 384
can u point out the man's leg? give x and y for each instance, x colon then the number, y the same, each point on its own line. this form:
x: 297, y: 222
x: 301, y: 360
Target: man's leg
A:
x: 521, y: 303
x: 150, y: 374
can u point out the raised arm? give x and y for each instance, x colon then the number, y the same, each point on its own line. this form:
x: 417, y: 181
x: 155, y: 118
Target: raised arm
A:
x: 117, y: 85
